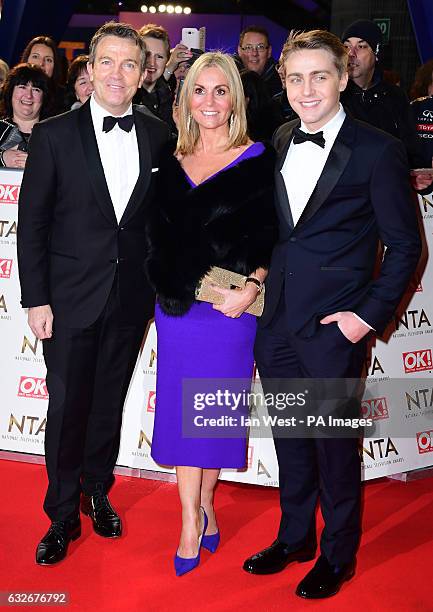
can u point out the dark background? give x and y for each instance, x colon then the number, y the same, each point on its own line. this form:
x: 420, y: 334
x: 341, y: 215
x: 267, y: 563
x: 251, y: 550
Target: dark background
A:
x: 23, y: 19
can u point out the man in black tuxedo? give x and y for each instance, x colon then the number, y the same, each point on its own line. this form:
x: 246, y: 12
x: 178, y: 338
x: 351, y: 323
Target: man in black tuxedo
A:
x: 83, y: 207
x: 341, y: 187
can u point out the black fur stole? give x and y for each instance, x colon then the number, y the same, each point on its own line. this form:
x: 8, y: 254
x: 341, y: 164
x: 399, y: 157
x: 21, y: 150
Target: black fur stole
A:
x: 227, y: 221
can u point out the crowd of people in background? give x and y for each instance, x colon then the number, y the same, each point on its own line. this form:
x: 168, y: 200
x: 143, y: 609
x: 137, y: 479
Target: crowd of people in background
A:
x: 372, y: 95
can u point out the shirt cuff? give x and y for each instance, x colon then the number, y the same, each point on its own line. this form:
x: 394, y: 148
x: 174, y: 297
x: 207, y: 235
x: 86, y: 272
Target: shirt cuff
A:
x: 362, y: 321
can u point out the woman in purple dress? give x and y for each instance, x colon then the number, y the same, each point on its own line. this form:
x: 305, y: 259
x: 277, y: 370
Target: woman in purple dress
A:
x: 214, y: 208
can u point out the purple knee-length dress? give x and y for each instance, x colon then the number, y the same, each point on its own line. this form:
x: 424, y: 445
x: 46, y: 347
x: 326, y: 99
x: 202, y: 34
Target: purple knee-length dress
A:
x: 206, y: 344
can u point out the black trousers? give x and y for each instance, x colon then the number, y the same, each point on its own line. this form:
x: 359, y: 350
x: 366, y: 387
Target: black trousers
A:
x: 88, y: 375
x: 309, y: 468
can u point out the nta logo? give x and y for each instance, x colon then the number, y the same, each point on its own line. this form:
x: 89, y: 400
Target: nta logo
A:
x: 413, y: 319
x: 6, y: 231
x: 426, y: 204
x: 374, y: 367
x: 379, y: 448
x: 27, y: 344
x: 32, y: 425
x: 421, y: 398
x: 152, y: 358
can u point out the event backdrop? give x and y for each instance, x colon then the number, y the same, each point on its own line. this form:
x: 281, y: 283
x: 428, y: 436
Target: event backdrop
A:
x: 398, y: 393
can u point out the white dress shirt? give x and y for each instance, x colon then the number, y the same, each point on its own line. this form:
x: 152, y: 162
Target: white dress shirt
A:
x: 119, y: 155
x: 304, y: 164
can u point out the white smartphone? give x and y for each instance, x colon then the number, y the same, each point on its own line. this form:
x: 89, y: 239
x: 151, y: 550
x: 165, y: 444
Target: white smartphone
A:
x: 194, y: 38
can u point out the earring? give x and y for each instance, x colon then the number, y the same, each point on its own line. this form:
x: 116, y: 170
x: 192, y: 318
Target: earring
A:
x: 188, y: 122
x: 231, y: 122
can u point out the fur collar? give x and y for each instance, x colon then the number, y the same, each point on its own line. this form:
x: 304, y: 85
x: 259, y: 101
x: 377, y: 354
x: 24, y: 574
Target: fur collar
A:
x: 223, y: 192
x: 228, y: 221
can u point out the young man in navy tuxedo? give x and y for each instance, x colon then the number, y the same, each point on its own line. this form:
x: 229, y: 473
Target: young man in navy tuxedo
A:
x: 341, y: 187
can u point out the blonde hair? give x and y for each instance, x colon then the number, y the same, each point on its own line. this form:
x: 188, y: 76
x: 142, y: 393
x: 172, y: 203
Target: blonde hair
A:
x: 151, y: 30
x: 4, y: 69
x: 315, y: 39
x: 189, y: 131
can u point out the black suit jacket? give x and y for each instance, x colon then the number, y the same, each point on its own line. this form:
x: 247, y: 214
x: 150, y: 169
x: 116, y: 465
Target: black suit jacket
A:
x: 325, y: 263
x: 70, y: 244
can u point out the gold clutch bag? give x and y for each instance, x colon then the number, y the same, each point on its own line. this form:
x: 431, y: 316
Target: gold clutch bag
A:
x: 226, y: 280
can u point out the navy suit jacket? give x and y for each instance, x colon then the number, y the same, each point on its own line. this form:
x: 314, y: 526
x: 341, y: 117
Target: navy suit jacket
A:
x: 325, y: 263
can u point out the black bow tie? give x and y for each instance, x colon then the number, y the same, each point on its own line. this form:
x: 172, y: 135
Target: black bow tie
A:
x: 125, y: 123
x: 300, y: 136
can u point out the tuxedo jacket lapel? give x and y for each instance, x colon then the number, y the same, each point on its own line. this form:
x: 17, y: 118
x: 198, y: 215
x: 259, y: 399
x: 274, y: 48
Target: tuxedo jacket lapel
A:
x: 96, y: 171
x: 282, y: 199
x: 334, y: 167
x: 142, y: 184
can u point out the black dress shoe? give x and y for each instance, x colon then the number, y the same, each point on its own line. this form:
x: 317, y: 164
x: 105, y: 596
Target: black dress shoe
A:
x: 324, y: 579
x: 106, y: 521
x: 276, y: 557
x: 54, y: 545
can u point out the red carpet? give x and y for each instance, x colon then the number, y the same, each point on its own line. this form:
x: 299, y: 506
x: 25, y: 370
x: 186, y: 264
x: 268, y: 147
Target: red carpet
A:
x: 135, y: 573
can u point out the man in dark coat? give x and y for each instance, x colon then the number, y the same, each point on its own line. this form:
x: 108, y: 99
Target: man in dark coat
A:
x: 83, y: 208
x: 371, y: 99
x: 255, y: 53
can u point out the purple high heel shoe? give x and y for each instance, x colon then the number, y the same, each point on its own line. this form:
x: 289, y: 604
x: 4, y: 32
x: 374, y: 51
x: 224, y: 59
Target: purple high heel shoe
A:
x: 182, y: 565
x: 211, y: 542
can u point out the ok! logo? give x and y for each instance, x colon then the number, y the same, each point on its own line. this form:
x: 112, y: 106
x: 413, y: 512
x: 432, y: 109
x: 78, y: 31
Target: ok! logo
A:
x: 9, y: 194
x: 32, y: 387
x: 417, y: 361
x: 151, y: 401
x: 5, y: 268
x: 424, y: 440
x: 375, y: 408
